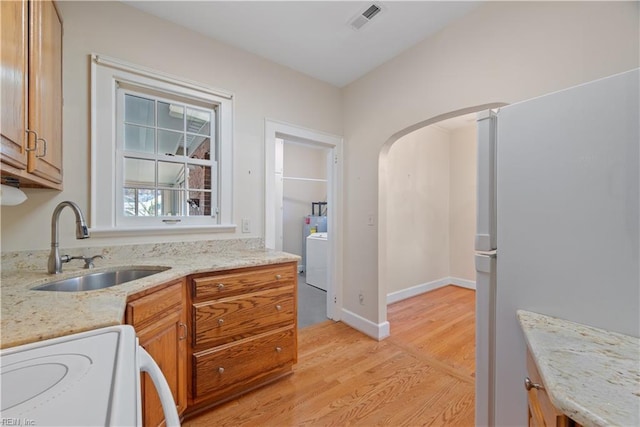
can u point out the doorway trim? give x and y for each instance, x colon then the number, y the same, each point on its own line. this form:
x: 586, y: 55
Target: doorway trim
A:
x: 273, y: 200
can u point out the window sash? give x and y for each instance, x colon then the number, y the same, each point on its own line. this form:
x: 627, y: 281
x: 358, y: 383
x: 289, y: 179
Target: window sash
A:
x: 169, y: 203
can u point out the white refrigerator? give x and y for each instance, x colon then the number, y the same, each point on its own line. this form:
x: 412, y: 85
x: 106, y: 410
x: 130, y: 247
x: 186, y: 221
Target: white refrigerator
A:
x: 558, y: 226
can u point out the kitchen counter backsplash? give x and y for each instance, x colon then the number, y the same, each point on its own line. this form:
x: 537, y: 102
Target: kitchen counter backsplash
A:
x: 37, y: 259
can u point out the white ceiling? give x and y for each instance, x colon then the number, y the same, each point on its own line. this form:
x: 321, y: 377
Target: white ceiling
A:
x: 314, y: 37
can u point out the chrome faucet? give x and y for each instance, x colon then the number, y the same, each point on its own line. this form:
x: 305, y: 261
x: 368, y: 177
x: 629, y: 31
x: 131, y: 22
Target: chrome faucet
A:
x: 82, y: 232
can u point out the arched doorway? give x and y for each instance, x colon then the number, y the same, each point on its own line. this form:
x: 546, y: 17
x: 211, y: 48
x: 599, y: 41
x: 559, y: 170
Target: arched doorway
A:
x: 417, y: 254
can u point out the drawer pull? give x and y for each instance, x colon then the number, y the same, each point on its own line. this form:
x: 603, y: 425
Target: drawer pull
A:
x: 528, y: 384
x: 221, y: 370
x: 278, y: 349
x: 278, y: 307
x: 278, y: 276
x: 186, y: 331
x: 221, y: 286
x: 220, y: 321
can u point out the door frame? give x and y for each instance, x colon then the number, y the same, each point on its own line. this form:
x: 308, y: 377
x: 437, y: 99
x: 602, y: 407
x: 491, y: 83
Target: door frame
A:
x: 273, y: 198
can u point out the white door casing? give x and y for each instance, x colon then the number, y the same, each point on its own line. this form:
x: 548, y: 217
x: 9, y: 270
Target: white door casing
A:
x: 273, y: 198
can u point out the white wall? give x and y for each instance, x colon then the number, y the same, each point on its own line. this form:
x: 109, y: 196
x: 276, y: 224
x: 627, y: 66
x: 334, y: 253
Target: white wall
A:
x: 500, y: 52
x: 417, y: 186
x: 301, y: 161
x: 430, y: 208
x: 262, y: 89
x: 462, y: 202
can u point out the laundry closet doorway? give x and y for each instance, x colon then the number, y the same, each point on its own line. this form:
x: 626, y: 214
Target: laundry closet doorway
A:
x: 303, y: 177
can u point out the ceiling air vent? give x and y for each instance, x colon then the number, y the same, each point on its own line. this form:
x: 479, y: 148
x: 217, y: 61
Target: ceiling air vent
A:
x: 364, y: 17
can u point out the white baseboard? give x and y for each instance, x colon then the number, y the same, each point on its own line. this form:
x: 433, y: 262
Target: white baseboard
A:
x: 378, y: 331
x: 429, y: 286
x: 463, y: 283
x: 416, y: 290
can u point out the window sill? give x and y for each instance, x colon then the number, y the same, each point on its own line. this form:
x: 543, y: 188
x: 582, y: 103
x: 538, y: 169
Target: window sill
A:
x: 166, y: 230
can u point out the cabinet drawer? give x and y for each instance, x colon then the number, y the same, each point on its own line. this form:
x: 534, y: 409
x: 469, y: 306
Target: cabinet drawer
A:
x: 542, y: 411
x: 142, y: 312
x: 235, y: 318
x: 235, y: 367
x: 226, y: 285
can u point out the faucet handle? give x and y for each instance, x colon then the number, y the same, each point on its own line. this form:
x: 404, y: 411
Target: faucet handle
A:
x: 88, y: 261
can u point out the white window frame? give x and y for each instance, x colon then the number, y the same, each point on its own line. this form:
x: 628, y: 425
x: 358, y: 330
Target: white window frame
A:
x: 106, y: 180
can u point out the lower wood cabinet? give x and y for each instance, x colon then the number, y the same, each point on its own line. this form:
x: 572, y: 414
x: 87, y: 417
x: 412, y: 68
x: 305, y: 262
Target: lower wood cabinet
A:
x: 217, y: 335
x: 243, y: 331
x: 159, y: 318
x: 542, y: 413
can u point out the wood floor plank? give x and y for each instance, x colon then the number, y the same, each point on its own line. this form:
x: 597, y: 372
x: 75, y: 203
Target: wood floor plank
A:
x: 423, y: 374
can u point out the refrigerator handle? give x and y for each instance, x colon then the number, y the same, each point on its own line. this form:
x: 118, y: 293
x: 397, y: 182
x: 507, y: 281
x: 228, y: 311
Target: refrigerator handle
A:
x: 486, y: 181
x: 486, y: 295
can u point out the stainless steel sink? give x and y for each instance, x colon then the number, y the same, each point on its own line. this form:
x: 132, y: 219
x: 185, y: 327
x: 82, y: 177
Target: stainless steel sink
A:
x: 101, y: 280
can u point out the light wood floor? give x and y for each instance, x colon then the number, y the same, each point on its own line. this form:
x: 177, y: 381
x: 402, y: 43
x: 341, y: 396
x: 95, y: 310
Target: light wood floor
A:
x: 422, y: 375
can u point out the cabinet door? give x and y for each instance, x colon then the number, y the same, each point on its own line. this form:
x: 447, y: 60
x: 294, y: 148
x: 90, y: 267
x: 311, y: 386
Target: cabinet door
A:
x: 159, y: 319
x: 13, y: 50
x: 45, y: 90
x: 162, y: 344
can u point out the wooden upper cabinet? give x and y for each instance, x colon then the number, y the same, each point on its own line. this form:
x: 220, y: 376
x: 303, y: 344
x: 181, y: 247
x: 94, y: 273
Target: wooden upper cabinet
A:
x: 45, y: 90
x: 32, y: 93
x: 13, y: 50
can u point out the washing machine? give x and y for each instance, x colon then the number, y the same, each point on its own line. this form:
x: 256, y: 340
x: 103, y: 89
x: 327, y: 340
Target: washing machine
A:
x: 316, y: 261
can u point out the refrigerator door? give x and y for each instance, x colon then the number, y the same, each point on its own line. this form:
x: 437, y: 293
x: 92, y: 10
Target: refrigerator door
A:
x: 486, y: 181
x: 568, y: 219
x: 485, y: 337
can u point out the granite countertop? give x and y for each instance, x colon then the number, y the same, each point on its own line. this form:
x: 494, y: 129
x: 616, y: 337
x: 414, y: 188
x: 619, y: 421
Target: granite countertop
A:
x: 29, y: 315
x: 591, y: 375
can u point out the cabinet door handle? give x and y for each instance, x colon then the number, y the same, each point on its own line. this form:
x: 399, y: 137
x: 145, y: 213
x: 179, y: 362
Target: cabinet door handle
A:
x: 220, y: 370
x: 220, y: 321
x: 278, y: 349
x: 528, y: 384
x: 278, y: 276
x: 44, y: 147
x: 278, y: 307
x: 221, y: 286
x: 35, y: 147
x: 185, y: 330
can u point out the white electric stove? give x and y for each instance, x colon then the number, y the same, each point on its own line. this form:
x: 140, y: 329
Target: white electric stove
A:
x: 86, y: 379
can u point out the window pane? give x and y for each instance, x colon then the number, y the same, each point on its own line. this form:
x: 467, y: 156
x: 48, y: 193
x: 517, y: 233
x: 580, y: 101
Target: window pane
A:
x: 170, y: 116
x: 137, y: 138
x: 139, y: 110
x: 138, y: 172
x: 171, y: 203
x: 198, y: 121
x: 171, y: 175
x: 170, y: 143
x: 198, y: 147
x: 139, y: 202
x: 199, y: 177
x: 199, y: 203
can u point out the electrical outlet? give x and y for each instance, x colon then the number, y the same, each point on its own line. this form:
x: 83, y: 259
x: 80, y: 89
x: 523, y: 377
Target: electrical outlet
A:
x: 361, y: 298
x: 246, y: 225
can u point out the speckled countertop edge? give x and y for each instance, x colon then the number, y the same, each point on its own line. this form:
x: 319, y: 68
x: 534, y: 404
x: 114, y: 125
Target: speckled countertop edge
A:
x: 591, y: 375
x: 27, y: 315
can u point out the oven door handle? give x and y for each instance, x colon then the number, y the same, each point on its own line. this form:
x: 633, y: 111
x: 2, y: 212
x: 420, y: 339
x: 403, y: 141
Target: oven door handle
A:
x: 148, y: 365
